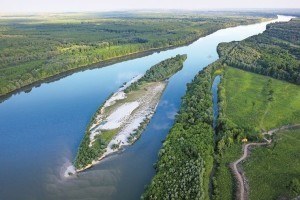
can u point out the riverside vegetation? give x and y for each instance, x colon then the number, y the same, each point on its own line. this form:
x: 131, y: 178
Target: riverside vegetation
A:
x: 157, y: 75
x: 249, y: 103
x: 36, y: 47
x: 186, y: 158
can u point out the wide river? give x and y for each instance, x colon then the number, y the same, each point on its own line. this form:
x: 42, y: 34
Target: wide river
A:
x: 40, y: 131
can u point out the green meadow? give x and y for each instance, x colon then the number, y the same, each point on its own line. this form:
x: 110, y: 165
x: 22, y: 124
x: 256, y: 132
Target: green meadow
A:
x: 256, y: 103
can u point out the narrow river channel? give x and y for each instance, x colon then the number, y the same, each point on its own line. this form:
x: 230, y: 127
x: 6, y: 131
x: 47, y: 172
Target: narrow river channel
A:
x: 40, y: 131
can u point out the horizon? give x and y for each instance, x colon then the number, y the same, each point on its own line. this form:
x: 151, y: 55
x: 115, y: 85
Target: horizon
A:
x: 239, y: 10
x: 66, y: 6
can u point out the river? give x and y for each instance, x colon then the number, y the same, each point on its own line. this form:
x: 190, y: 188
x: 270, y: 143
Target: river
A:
x: 41, y: 130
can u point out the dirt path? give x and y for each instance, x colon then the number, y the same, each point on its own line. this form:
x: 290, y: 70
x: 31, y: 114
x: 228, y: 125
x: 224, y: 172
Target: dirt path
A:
x: 242, y: 192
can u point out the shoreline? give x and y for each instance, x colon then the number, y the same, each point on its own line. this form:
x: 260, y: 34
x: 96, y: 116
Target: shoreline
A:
x: 111, y: 61
x: 111, y: 153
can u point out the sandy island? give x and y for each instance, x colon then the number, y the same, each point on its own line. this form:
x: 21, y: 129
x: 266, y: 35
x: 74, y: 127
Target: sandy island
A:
x: 123, y: 113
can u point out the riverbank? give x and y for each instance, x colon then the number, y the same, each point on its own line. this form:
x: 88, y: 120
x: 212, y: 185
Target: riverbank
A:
x: 121, y: 58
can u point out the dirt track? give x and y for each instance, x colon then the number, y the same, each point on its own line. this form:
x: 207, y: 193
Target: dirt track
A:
x: 242, y: 192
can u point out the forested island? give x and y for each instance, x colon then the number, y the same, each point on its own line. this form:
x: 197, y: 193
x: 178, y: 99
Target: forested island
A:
x: 250, y: 105
x: 124, y: 115
x: 38, y: 47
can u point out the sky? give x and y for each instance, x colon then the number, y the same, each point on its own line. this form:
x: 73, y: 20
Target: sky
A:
x: 113, y: 5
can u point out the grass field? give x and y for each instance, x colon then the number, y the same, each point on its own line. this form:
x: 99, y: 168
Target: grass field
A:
x: 270, y: 170
x: 223, y: 177
x: 255, y: 102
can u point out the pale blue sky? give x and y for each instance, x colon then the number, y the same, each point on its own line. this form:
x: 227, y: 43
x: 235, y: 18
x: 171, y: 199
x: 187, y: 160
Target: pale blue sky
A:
x: 107, y: 5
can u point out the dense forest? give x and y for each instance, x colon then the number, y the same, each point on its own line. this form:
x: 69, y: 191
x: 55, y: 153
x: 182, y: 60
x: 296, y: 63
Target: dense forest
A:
x: 158, y: 72
x: 275, y: 52
x: 34, y: 48
x: 186, y: 158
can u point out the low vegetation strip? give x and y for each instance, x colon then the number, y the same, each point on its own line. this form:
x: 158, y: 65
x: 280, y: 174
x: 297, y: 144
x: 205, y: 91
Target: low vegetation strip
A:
x: 186, y: 158
x: 122, y: 117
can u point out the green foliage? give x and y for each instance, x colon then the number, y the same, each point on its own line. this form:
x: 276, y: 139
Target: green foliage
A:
x: 223, y: 181
x: 164, y: 69
x: 227, y: 147
x: 294, y: 186
x: 186, y: 158
x: 33, y: 48
x: 274, y: 171
x: 160, y: 72
x: 275, y: 52
x: 87, y: 154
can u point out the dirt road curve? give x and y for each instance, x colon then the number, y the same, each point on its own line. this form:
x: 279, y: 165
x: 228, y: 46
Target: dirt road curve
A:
x: 242, y: 190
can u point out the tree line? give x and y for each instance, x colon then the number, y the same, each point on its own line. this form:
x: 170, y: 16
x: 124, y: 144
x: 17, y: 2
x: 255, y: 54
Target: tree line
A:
x: 275, y: 52
x: 34, y: 49
x: 160, y: 72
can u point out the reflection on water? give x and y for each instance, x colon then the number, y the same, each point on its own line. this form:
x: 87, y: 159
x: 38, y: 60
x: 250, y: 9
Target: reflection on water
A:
x: 41, y: 130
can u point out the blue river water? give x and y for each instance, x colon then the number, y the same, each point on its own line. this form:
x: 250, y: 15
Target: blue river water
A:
x: 40, y: 131
x: 214, y: 90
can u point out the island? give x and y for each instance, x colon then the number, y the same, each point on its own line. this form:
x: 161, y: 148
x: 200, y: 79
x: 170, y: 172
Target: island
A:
x: 123, y: 116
